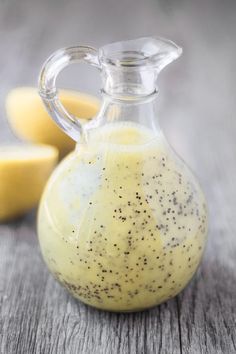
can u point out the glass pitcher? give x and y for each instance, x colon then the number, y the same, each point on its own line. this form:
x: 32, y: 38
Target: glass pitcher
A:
x: 122, y: 222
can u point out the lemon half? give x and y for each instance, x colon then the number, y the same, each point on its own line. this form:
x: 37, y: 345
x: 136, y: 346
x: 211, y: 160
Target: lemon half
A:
x: 24, y: 170
x: 30, y: 121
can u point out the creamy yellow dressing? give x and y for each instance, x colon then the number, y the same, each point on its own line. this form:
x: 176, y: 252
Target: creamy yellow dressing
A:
x: 122, y: 222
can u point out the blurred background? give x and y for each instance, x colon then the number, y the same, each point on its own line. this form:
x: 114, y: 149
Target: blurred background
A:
x: 197, y: 101
x: 197, y: 107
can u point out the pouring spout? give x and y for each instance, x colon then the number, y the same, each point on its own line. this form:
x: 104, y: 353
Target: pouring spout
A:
x: 164, y: 52
x: 132, y: 67
x: 156, y: 52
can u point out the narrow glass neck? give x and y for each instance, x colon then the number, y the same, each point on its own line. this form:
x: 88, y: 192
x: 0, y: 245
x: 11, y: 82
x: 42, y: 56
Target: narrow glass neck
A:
x: 137, y: 110
x: 129, y: 83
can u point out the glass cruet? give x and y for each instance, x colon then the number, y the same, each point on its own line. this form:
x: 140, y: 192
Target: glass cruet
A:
x: 122, y: 222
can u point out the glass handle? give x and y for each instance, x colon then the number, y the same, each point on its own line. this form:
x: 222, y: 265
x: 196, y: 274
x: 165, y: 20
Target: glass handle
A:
x: 47, y: 85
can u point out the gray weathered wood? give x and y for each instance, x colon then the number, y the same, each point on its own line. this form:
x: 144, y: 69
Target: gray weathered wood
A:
x: 197, y: 106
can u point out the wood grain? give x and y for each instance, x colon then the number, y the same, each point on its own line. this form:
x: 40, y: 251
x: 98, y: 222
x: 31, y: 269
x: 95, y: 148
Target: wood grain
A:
x: 197, y: 107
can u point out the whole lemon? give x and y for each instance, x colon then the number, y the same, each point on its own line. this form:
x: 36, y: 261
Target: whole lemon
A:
x: 30, y: 121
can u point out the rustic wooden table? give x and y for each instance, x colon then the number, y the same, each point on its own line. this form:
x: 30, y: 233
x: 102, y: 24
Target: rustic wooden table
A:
x: 197, y: 107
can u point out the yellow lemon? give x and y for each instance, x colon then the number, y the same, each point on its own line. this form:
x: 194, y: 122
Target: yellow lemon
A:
x: 30, y: 121
x: 24, y: 170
